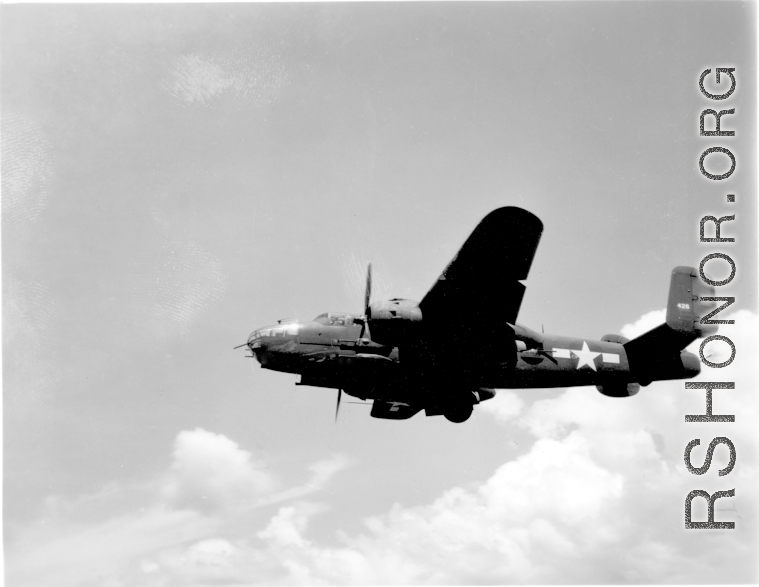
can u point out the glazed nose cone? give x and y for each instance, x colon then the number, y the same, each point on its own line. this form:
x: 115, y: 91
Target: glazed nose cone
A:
x: 256, y: 343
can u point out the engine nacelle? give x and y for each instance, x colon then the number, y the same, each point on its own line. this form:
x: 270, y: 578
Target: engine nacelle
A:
x: 619, y: 389
x: 484, y: 393
x: 615, y: 338
x: 395, y: 321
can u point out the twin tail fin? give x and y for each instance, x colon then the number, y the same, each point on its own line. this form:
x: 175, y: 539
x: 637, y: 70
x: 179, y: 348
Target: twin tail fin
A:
x: 657, y: 353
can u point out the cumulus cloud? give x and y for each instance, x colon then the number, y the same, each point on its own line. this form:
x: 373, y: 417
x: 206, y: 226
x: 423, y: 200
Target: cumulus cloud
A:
x: 213, y: 561
x: 505, y: 406
x: 538, y: 519
x: 210, y: 471
x: 212, y: 486
x: 645, y: 323
x: 597, y: 498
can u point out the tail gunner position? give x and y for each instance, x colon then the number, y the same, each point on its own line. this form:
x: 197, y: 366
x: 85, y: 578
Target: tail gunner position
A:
x: 450, y: 351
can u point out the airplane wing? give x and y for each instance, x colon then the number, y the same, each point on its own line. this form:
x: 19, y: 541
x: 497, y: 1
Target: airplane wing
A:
x: 468, y: 311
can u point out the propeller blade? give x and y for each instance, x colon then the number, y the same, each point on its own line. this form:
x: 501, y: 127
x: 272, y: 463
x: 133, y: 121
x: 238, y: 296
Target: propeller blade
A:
x: 368, y: 291
x: 337, y: 409
x: 367, y: 302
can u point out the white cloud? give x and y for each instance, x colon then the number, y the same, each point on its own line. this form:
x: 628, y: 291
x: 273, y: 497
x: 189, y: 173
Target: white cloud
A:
x: 505, y: 406
x: 645, y: 323
x: 210, y: 471
x: 212, y: 486
x: 597, y: 498
x: 542, y: 506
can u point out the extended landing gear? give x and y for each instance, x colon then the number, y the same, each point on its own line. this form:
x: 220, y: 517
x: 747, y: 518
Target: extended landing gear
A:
x: 458, y: 412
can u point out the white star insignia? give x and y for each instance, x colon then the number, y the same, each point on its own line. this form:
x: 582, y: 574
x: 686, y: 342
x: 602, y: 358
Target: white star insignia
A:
x: 585, y: 356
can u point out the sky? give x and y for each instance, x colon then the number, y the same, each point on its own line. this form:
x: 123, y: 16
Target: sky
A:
x: 176, y: 176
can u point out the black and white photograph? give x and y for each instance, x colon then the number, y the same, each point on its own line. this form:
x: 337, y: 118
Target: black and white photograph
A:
x: 379, y: 293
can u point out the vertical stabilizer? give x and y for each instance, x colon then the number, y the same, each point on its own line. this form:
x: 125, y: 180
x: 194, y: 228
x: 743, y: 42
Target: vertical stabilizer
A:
x: 684, y: 308
x: 657, y: 353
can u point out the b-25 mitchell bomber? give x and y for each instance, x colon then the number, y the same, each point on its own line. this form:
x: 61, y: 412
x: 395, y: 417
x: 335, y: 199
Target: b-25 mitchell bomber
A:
x: 449, y: 352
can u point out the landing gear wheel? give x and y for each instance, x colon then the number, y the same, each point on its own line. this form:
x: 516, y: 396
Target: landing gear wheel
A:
x: 458, y: 413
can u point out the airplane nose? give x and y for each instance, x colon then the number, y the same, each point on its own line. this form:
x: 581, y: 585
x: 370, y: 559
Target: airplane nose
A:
x: 272, y: 345
x: 256, y: 344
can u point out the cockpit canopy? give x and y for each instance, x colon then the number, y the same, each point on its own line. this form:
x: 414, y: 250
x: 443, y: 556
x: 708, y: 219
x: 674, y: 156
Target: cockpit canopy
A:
x: 334, y: 319
x: 282, y: 329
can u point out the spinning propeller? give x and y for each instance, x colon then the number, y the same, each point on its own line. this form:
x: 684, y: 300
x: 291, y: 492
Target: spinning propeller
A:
x: 367, y: 303
x: 364, y: 324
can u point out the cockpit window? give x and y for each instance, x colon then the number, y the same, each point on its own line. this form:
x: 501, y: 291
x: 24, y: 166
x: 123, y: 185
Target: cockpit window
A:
x: 340, y: 320
x: 331, y: 319
x: 282, y: 330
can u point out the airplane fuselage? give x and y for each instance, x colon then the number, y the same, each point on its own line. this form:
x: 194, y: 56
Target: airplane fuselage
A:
x: 451, y: 351
x: 330, y: 353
